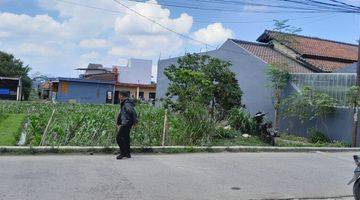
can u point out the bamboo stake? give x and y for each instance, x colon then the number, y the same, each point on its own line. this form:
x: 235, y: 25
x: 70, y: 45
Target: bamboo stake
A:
x: 43, y: 139
x: 165, y: 128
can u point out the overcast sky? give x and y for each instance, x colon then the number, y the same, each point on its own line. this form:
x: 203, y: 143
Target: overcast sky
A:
x: 54, y: 37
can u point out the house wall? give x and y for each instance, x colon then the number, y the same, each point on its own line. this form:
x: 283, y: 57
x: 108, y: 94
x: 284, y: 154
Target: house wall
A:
x: 133, y: 91
x: 337, y: 126
x: 78, y: 92
x: 137, y: 72
x: 250, y: 72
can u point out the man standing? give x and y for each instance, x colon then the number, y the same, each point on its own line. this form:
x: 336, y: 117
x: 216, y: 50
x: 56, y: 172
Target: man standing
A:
x: 126, y: 119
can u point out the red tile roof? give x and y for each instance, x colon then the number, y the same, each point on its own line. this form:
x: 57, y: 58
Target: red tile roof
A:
x: 266, y: 53
x: 327, y: 55
x: 328, y: 66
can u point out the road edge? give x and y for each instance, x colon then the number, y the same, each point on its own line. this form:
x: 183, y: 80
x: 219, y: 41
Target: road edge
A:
x: 24, y: 150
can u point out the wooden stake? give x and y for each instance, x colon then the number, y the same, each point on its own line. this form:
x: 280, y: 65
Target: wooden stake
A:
x: 165, y: 129
x: 43, y: 139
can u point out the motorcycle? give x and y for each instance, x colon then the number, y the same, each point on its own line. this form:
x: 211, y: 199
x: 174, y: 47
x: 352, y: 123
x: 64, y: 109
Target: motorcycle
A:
x: 267, y: 132
x: 356, y: 179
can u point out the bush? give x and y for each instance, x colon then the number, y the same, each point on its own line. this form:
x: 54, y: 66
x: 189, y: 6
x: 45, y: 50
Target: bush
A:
x: 242, y: 121
x: 149, y: 130
x: 317, y: 137
x: 193, y: 126
x: 223, y: 133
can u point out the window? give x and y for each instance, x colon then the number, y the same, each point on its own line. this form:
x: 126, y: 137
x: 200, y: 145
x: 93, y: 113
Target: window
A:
x: 141, y: 95
x: 152, y: 95
x: 64, y: 87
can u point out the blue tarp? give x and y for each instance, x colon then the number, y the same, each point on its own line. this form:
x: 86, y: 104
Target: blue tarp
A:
x: 4, y: 91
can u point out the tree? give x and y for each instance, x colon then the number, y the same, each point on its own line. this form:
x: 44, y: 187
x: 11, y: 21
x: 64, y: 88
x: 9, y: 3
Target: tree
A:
x: 12, y: 67
x: 282, y: 26
x: 204, y: 80
x: 278, y: 78
x: 353, y: 100
x: 309, y: 104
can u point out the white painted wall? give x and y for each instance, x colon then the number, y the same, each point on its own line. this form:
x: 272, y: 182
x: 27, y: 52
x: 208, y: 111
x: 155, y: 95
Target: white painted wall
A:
x: 137, y: 71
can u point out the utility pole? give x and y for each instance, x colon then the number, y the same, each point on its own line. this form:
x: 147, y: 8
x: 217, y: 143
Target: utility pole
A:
x: 358, y: 66
x: 355, y: 117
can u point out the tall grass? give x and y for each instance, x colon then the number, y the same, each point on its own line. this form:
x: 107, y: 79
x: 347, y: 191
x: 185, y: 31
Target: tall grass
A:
x: 94, y: 125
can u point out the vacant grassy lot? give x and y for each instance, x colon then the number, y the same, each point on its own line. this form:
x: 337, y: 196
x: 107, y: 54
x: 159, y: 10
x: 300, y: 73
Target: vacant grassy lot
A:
x: 10, y: 128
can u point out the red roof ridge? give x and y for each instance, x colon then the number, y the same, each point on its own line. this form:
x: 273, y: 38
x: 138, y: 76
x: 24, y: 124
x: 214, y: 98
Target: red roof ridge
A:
x: 304, y: 36
x: 249, y: 42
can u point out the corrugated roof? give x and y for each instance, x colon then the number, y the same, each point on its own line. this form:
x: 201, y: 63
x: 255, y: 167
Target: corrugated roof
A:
x: 84, y: 80
x: 271, y: 56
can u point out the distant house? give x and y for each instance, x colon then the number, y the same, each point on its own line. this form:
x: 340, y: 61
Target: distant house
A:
x: 134, y: 78
x: 97, y: 72
x: 10, y: 88
x: 310, y: 60
x: 76, y: 90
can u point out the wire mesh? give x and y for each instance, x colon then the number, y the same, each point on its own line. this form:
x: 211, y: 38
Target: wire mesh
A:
x: 335, y: 85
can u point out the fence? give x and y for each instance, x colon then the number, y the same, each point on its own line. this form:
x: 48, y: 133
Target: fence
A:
x: 335, y: 85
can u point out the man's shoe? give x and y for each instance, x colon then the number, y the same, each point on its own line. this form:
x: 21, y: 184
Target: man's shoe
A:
x: 128, y: 156
x: 119, y: 157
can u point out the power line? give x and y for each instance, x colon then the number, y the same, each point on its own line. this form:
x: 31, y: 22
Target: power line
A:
x: 295, y: 10
x: 346, y: 4
x: 175, y: 32
x: 89, y: 6
x: 321, y: 4
x: 155, y: 22
x: 258, y: 4
x: 195, y: 21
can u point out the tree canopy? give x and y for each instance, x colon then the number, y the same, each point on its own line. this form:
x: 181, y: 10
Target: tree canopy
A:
x: 13, y: 67
x: 205, y: 80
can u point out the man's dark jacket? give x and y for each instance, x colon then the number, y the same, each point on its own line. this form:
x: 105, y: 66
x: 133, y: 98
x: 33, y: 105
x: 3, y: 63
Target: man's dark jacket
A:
x: 127, y: 115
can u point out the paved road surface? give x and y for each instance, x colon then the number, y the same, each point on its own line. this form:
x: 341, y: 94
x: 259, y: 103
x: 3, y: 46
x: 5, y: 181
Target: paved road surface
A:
x: 184, y: 176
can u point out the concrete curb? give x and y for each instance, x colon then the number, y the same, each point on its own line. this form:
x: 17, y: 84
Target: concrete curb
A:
x: 23, y: 150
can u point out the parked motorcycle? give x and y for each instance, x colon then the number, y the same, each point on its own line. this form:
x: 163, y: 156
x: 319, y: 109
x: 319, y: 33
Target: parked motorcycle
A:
x: 265, y: 129
x: 356, y: 179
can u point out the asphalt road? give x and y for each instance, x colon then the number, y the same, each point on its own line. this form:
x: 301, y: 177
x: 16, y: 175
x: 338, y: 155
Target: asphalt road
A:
x: 182, y: 176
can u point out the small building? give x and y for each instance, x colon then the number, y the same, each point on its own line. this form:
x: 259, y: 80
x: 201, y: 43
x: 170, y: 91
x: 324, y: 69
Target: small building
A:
x: 135, y: 78
x: 144, y: 92
x: 75, y: 90
x: 10, y: 88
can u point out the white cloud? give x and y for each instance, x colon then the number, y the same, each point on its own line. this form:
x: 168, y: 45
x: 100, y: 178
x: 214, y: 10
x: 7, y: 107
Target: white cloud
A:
x: 37, y: 26
x: 83, y: 21
x: 145, y: 39
x: 4, y: 34
x: 213, y: 34
x: 94, y: 43
x: 71, y: 36
x: 30, y: 49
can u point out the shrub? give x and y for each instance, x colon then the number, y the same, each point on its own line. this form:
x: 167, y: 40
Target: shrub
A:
x: 318, y: 137
x: 242, y: 121
x: 226, y: 133
x: 193, y: 126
